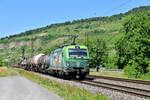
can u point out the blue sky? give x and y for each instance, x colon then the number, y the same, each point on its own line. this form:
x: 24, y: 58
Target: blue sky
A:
x: 21, y: 15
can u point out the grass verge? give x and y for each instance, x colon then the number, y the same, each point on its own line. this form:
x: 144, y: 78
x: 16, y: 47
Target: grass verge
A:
x: 63, y: 90
x: 109, y: 74
x: 3, y: 72
x: 12, y: 72
x: 119, y: 74
x: 145, y: 77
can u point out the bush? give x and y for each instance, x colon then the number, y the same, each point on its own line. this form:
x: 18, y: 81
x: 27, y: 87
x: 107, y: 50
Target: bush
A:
x: 111, y: 62
x: 98, y: 53
x: 2, y: 62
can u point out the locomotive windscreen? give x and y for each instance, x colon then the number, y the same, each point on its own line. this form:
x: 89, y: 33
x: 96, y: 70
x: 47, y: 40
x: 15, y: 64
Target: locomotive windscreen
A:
x: 77, y: 52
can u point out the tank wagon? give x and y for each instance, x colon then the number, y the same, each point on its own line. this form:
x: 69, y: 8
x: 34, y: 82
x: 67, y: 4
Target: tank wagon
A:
x: 43, y: 66
x: 71, y: 60
x: 34, y: 62
x: 23, y: 64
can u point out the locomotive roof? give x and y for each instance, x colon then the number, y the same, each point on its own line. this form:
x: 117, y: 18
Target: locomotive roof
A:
x: 58, y: 50
x: 69, y: 46
x: 24, y: 60
x: 74, y: 46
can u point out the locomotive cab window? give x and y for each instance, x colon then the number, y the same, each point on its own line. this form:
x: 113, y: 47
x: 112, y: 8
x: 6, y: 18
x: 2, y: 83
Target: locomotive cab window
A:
x: 77, y: 52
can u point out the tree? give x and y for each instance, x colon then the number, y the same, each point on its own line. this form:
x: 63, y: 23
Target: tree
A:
x: 133, y: 48
x: 98, y: 52
x: 2, y: 62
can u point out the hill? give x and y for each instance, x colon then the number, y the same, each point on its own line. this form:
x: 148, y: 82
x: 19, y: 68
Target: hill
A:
x: 108, y: 28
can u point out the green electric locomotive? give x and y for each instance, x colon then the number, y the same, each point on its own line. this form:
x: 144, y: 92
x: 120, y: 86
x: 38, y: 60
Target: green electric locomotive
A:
x: 69, y: 61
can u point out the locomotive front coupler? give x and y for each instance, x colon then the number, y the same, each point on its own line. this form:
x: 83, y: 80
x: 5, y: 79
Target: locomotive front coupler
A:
x: 78, y: 73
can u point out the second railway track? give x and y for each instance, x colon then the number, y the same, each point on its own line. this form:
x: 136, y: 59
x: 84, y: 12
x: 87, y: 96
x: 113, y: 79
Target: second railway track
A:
x: 121, y: 79
x: 123, y: 89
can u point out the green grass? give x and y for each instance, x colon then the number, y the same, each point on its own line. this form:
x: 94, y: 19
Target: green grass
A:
x: 64, y: 90
x: 12, y: 72
x: 109, y: 74
x: 3, y: 72
x: 145, y: 77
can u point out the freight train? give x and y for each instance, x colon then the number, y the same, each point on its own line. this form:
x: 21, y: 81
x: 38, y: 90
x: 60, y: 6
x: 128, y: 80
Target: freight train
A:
x: 70, y: 61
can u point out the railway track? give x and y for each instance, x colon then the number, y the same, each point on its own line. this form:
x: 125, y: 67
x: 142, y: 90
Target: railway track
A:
x: 123, y: 89
x: 120, y: 79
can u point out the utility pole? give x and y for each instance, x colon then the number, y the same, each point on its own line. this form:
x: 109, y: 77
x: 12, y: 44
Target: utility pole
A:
x: 74, y: 38
x: 87, y: 40
x: 32, y: 46
x: 23, y: 57
x: 87, y: 37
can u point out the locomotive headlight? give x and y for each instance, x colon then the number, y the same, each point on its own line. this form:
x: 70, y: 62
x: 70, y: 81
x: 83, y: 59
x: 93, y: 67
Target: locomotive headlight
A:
x: 67, y: 63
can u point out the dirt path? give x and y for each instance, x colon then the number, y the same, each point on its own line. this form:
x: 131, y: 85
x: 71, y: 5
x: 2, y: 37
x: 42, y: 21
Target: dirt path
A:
x: 19, y: 88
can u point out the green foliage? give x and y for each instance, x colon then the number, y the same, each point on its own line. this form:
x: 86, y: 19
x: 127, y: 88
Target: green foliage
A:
x: 139, y: 9
x: 98, y: 53
x: 4, y: 72
x: 133, y: 48
x: 111, y: 62
x: 2, y: 62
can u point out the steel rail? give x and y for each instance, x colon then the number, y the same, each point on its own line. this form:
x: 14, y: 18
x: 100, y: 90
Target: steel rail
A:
x: 120, y: 79
x: 128, y: 90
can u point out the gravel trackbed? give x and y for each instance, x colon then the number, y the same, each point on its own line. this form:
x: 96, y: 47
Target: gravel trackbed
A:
x: 19, y: 88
